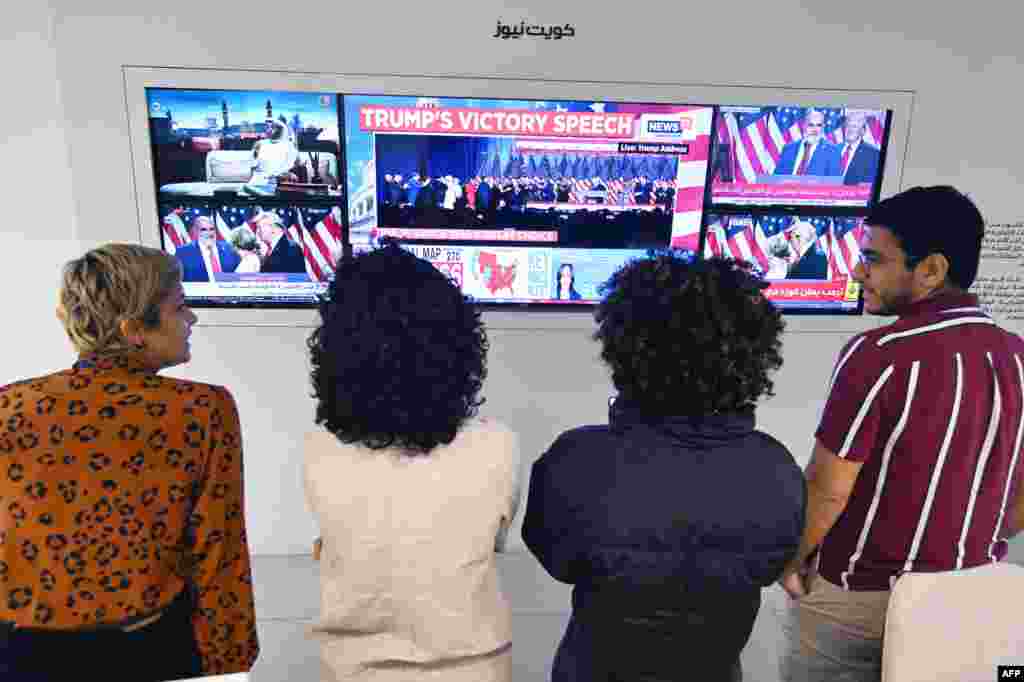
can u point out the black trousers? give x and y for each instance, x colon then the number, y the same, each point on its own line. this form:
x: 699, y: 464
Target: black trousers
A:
x: 160, y: 651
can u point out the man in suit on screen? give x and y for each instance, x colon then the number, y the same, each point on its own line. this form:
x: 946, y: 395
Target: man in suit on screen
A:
x: 205, y: 255
x: 858, y: 159
x: 277, y: 250
x: 809, y: 259
x: 811, y: 155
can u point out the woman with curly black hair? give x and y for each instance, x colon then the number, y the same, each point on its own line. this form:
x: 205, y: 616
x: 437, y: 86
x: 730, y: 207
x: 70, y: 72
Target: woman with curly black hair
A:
x: 670, y: 519
x: 412, y: 491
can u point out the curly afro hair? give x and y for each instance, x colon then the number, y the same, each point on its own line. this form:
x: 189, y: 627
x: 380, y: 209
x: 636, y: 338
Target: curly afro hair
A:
x: 400, y: 354
x: 686, y: 337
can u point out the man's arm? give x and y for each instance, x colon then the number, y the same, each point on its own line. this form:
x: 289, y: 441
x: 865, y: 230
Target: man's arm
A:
x: 830, y: 482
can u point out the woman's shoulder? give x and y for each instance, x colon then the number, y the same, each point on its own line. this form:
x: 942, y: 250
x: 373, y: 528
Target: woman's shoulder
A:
x: 318, y: 442
x: 771, y: 446
x: 487, y: 425
x: 191, y: 388
x: 476, y: 435
x: 487, y: 431
x: 772, y: 455
x: 195, y: 398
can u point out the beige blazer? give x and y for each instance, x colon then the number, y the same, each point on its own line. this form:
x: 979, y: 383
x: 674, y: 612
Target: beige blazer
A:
x: 408, y: 583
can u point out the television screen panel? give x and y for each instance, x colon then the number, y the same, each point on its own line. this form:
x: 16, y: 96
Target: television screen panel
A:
x: 233, y: 144
x: 775, y: 156
x: 259, y: 174
x: 503, y: 193
x: 808, y: 260
x: 251, y: 254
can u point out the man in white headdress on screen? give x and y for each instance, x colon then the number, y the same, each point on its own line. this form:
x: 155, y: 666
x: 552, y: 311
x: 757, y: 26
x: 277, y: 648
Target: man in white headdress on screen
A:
x: 273, y: 156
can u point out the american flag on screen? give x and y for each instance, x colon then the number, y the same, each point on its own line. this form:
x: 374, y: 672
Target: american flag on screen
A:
x: 316, y: 230
x: 743, y: 238
x: 823, y: 228
x: 757, y: 138
x: 176, y: 224
x: 846, y: 236
x: 732, y: 237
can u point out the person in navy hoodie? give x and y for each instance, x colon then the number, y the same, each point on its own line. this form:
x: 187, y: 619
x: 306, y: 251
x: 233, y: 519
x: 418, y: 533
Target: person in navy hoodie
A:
x: 670, y: 519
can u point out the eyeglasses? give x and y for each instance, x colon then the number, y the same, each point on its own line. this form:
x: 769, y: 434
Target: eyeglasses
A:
x: 870, y: 260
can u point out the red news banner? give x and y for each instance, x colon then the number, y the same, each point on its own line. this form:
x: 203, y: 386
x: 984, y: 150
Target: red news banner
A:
x: 791, y: 192
x: 523, y: 122
x: 797, y: 290
x: 441, y: 234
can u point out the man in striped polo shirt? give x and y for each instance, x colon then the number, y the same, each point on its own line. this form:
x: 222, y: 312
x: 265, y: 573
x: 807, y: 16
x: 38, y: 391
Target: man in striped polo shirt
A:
x: 916, y: 463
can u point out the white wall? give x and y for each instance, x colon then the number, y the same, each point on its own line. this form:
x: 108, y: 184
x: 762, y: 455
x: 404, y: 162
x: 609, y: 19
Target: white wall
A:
x: 541, y: 383
x: 35, y: 193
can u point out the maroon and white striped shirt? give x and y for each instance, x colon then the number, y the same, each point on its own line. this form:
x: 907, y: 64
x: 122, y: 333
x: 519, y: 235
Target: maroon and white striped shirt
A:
x: 933, y: 404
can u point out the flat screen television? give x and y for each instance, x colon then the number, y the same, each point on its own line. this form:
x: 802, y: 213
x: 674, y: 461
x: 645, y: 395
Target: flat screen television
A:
x: 525, y: 202
x: 808, y: 260
x: 249, y: 192
x: 584, y: 176
x: 798, y: 156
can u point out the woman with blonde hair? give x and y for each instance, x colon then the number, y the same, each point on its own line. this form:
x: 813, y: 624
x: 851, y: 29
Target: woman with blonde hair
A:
x: 122, y: 541
x: 247, y: 246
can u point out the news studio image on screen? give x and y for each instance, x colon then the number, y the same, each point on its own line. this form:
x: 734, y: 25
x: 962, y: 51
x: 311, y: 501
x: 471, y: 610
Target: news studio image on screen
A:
x: 241, y: 143
x: 248, y: 191
x: 797, y: 156
x: 525, y: 201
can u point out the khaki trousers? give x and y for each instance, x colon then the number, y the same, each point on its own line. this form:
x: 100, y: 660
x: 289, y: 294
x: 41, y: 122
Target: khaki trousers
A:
x: 834, y: 635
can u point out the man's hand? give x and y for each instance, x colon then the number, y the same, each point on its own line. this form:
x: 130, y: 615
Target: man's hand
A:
x: 830, y: 482
x: 796, y: 583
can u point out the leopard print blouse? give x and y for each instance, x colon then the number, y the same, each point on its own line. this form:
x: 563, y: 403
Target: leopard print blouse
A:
x: 119, y: 489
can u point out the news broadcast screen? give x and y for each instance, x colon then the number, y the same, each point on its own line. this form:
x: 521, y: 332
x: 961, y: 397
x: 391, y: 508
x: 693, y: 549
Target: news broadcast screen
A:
x: 517, y: 197
x: 808, y: 260
x: 797, y: 156
x: 252, y: 255
x: 244, y: 143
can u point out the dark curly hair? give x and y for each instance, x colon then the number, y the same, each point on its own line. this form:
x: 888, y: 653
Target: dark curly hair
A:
x: 400, y: 355
x: 689, y: 337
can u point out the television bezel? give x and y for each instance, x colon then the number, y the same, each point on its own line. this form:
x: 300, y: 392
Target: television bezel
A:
x: 137, y: 78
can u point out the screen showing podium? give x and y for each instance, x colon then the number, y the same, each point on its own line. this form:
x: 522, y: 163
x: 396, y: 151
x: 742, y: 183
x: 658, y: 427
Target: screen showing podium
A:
x: 773, y: 156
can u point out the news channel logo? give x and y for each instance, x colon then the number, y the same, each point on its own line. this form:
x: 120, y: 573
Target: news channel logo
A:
x: 668, y: 127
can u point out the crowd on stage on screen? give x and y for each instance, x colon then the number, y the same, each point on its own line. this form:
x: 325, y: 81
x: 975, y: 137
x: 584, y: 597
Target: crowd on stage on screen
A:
x: 492, y: 193
x: 631, y: 213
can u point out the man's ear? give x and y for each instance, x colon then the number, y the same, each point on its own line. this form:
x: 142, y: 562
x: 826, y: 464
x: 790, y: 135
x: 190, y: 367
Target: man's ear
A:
x: 933, y: 271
